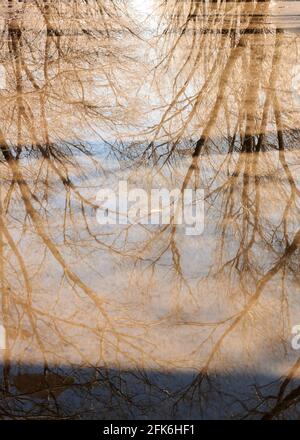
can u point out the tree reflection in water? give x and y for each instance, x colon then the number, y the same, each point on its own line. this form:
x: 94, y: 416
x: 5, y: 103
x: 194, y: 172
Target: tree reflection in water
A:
x: 136, y: 321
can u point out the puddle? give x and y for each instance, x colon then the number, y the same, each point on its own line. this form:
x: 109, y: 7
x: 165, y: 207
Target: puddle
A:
x: 139, y: 319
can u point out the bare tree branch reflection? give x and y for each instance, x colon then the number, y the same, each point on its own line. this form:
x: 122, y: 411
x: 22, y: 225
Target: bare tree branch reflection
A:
x: 137, y: 320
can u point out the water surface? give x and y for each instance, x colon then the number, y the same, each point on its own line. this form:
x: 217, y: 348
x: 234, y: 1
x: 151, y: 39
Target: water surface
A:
x: 144, y: 321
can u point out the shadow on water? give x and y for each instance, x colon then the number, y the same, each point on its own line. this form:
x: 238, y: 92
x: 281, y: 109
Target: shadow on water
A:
x: 105, y: 394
